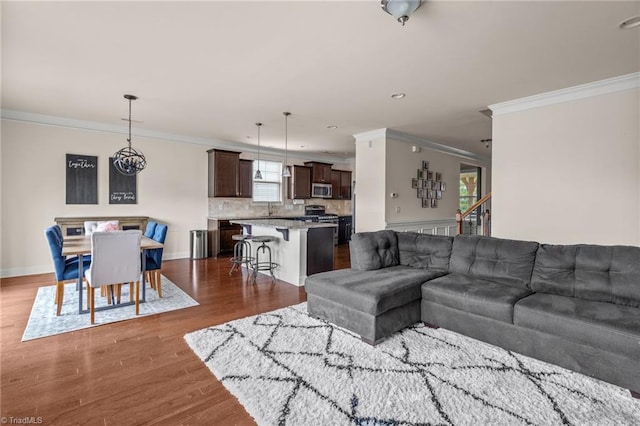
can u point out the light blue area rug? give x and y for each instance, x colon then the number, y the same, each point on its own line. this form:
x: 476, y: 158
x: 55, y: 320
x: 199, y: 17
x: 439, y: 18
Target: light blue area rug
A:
x: 43, y: 321
x: 287, y: 368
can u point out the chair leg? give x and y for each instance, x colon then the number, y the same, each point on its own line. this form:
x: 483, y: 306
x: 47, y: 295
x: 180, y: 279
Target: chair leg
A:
x: 131, y: 292
x: 118, y: 292
x: 137, y: 297
x: 158, y: 282
x: 59, y: 296
x: 92, y: 304
x: 88, y: 300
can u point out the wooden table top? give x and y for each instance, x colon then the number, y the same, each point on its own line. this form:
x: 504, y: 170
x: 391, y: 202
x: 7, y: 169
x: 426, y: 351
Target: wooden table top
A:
x: 81, y: 244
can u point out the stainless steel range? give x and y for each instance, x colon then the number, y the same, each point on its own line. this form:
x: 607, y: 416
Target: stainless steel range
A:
x: 317, y: 213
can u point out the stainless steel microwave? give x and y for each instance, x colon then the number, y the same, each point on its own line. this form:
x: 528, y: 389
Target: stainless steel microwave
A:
x: 321, y: 190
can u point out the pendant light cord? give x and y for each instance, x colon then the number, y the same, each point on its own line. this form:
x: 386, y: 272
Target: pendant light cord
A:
x: 286, y: 143
x: 129, y: 139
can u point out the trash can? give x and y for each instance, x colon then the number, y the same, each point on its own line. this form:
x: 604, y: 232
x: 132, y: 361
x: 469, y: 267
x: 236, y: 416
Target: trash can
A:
x: 198, y: 244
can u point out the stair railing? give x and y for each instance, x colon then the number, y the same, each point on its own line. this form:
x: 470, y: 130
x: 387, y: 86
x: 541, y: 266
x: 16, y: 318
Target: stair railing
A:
x: 486, y: 216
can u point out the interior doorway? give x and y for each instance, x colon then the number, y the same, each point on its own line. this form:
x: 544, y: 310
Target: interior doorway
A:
x: 470, y: 190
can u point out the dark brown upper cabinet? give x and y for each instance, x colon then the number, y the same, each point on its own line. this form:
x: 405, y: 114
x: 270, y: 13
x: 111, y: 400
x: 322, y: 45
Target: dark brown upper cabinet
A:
x: 228, y: 175
x: 320, y: 172
x: 299, y: 186
x: 341, y: 184
x: 345, y: 185
x: 245, y: 183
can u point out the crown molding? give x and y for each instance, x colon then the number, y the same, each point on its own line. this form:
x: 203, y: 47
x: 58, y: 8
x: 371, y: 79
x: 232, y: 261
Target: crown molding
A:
x: 92, y: 126
x: 601, y: 87
x: 414, y: 140
x: 370, y: 135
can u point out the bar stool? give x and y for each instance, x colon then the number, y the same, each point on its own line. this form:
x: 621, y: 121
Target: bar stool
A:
x: 241, y: 252
x: 263, y: 265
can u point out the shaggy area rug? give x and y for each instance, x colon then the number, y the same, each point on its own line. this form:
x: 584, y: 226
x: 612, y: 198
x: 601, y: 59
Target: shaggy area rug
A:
x: 43, y: 321
x: 287, y: 368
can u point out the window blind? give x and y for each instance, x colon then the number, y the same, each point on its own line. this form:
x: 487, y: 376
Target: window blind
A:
x: 269, y: 187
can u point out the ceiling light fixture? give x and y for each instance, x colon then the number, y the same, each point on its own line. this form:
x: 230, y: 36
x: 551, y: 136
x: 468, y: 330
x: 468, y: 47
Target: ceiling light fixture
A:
x: 332, y: 127
x: 400, y: 9
x: 128, y: 160
x: 630, y: 23
x: 285, y: 167
x: 258, y: 175
x: 398, y: 95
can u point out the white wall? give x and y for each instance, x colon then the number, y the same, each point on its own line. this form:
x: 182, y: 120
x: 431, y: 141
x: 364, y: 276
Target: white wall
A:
x: 569, y: 172
x: 402, y: 166
x: 370, y: 185
x: 385, y: 164
x: 172, y: 189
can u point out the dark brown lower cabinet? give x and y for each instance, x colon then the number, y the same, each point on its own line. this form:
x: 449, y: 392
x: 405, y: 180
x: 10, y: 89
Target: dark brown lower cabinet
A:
x: 226, y: 230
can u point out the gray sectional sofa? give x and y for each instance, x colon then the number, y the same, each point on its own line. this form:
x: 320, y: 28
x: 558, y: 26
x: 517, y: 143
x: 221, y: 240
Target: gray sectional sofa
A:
x: 577, y: 306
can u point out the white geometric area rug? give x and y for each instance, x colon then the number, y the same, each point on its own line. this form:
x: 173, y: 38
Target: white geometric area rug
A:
x: 43, y: 321
x: 287, y: 368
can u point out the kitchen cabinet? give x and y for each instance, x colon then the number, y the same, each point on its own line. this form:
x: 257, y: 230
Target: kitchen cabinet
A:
x: 299, y: 186
x: 320, y: 172
x: 344, y: 229
x: 226, y: 230
x: 336, y: 176
x: 245, y: 179
x: 345, y: 185
x: 341, y: 184
x: 229, y: 176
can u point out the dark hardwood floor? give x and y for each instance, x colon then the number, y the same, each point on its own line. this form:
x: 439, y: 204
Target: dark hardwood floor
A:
x: 139, y: 371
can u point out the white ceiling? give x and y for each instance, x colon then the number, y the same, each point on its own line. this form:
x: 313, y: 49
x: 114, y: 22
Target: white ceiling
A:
x: 210, y: 70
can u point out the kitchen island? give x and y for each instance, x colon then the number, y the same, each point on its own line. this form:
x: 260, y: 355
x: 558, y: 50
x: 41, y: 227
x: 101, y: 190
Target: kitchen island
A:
x: 300, y: 248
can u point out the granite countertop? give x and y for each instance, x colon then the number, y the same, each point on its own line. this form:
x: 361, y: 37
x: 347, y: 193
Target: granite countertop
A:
x: 286, y: 217
x: 283, y: 223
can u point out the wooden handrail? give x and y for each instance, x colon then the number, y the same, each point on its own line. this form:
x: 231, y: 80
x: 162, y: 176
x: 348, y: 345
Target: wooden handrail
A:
x: 486, y: 216
x: 477, y: 204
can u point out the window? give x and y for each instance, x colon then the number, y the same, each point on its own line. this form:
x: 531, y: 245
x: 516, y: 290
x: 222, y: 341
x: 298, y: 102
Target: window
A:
x: 269, y: 187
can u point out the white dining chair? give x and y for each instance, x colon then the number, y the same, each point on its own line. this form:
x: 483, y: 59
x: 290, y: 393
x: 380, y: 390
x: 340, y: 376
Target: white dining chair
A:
x: 90, y: 226
x: 115, y: 259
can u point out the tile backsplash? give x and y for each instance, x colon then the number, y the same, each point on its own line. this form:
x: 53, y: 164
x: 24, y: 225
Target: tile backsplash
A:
x: 234, y: 208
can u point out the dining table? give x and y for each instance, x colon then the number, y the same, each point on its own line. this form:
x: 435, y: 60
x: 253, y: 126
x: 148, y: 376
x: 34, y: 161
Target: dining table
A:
x: 80, y: 245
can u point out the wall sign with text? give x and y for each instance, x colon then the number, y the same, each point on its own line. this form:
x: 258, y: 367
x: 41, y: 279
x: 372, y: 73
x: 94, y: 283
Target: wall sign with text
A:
x: 122, y: 188
x: 82, y: 179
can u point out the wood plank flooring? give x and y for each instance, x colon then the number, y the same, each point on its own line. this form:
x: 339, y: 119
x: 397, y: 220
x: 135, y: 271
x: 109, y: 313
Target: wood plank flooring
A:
x: 133, y: 372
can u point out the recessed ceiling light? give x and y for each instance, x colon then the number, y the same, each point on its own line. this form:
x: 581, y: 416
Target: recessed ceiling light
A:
x: 630, y: 23
x: 398, y: 95
x: 332, y: 127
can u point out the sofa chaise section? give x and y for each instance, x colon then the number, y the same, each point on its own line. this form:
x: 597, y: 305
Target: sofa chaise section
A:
x: 380, y: 294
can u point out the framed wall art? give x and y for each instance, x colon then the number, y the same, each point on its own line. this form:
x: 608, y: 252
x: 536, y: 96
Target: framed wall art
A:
x: 81, y: 179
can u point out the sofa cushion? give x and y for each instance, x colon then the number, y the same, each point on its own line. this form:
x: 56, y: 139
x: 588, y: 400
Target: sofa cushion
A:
x: 424, y: 250
x: 372, y: 292
x: 374, y: 250
x: 474, y: 295
x: 607, y: 326
x: 498, y: 260
x: 599, y: 273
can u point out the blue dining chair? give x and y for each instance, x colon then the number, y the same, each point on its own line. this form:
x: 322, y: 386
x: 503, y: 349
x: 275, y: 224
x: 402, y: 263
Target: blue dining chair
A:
x: 151, y: 229
x: 65, y: 269
x: 154, y: 259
